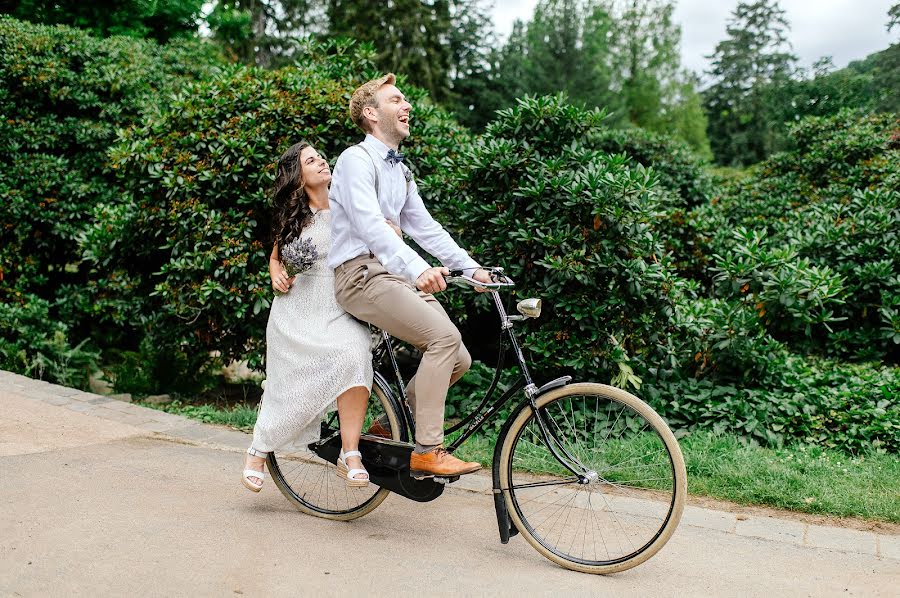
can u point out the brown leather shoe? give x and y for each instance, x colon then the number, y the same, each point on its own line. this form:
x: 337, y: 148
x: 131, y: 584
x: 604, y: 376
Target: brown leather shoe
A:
x: 439, y: 462
x: 379, y: 429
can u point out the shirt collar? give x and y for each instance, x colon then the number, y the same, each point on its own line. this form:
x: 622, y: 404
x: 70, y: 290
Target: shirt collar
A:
x: 376, y: 144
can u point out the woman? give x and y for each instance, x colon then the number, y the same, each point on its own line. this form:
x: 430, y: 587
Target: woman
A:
x: 316, y: 354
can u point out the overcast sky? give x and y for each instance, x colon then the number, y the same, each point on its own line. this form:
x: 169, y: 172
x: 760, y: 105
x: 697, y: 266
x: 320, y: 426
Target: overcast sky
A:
x: 846, y: 30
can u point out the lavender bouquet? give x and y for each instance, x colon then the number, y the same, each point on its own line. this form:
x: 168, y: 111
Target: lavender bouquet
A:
x: 298, y: 256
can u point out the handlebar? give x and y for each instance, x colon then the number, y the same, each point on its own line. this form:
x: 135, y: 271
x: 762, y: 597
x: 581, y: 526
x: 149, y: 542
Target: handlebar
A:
x: 500, y: 279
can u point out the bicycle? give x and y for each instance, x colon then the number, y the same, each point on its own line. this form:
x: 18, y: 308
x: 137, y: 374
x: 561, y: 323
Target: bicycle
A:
x: 590, y: 475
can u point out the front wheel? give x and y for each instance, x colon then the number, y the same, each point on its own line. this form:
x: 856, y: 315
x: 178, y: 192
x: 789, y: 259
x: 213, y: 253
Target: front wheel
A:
x: 628, y: 496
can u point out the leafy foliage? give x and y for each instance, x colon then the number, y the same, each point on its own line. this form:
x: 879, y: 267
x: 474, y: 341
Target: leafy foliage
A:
x: 681, y: 182
x: 160, y: 20
x: 32, y: 343
x: 241, y: 416
x: 63, y: 96
x: 410, y: 38
x: 852, y: 407
x: 188, y: 249
x: 581, y: 225
x: 701, y: 292
x: 679, y: 169
x: 264, y: 33
x: 570, y: 221
x: 563, y: 48
x: 614, y: 55
x: 810, y: 240
x: 864, y: 86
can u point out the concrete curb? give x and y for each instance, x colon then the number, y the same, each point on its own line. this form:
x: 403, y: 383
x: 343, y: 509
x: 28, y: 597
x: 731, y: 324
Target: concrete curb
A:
x: 158, y: 424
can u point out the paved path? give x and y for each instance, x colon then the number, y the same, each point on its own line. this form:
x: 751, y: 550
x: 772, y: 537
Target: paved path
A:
x: 107, y: 498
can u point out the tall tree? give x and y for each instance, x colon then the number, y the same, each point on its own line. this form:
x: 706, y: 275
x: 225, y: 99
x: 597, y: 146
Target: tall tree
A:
x: 412, y: 37
x: 264, y: 32
x: 754, y: 56
x: 622, y: 55
x: 566, y: 49
x: 554, y: 51
x: 888, y: 64
x: 867, y: 85
x: 600, y: 67
x: 473, y: 55
x: 157, y: 19
x: 495, y: 86
x: 511, y: 76
x: 563, y: 48
x: 656, y: 93
x: 471, y: 37
x: 646, y: 53
x: 683, y: 116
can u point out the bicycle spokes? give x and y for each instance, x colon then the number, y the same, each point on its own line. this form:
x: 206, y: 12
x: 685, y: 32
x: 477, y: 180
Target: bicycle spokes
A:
x: 623, y: 494
x: 311, y: 482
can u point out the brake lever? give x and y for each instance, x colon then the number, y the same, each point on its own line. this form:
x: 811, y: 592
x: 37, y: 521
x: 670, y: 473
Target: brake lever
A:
x: 496, y: 276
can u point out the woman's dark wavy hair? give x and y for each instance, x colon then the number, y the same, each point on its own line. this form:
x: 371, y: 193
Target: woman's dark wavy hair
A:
x: 289, y: 200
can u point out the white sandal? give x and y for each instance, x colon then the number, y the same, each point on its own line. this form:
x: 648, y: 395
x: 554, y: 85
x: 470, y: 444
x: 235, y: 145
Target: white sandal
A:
x: 349, y: 474
x: 252, y: 473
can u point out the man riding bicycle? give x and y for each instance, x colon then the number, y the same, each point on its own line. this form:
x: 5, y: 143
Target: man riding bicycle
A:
x: 381, y: 280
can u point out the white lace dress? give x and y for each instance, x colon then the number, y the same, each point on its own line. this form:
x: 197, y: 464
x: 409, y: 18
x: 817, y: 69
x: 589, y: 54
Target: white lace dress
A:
x: 314, y: 352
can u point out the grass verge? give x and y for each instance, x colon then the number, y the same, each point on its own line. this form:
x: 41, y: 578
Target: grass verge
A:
x: 798, y: 477
x: 241, y: 417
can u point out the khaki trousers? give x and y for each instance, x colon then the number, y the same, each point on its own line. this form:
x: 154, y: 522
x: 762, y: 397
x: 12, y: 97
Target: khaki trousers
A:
x: 370, y: 293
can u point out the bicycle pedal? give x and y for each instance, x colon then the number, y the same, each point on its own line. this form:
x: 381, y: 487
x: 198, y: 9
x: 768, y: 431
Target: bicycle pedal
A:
x: 435, y: 478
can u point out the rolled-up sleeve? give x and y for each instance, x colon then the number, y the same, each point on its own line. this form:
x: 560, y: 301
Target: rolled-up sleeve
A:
x: 416, y: 221
x: 356, y: 195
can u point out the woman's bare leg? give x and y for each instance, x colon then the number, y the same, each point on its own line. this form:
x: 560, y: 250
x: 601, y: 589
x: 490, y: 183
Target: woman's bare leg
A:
x: 351, y: 412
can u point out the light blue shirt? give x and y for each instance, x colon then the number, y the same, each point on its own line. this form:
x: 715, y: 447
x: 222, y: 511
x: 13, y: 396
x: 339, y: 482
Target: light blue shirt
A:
x: 358, y: 213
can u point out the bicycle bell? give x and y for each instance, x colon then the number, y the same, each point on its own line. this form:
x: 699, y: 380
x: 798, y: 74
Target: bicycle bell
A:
x: 530, y: 308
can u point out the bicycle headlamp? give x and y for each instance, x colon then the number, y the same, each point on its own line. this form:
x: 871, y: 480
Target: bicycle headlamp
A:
x: 530, y: 308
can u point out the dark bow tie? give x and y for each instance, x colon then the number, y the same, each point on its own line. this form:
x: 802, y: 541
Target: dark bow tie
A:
x: 394, y: 157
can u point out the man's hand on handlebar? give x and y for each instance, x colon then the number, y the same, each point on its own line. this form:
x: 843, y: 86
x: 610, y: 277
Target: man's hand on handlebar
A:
x: 432, y: 280
x: 482, y: 275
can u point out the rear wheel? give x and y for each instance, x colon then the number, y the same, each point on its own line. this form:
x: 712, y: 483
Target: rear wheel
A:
x: 312, y: 483
x: 629, y: 495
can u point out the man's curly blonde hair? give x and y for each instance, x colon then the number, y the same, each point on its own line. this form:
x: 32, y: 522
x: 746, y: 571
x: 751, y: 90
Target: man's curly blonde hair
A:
x: 364, y: 95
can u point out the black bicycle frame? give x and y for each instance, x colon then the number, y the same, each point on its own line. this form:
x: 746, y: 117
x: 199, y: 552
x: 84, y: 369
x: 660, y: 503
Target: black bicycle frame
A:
x: 477, y: 418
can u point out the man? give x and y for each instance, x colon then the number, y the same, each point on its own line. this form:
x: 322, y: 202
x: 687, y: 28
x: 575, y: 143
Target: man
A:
x: 381, y: 280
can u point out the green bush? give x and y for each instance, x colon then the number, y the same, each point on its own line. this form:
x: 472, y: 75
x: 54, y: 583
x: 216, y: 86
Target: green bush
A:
x: 63, y: 97
x: 32, y: 343
x: 575, y: 225
x: 722, y: 341
x: 679, y: 169
x: 157, y: 19
x: 681, y: 184
x: 161, y: 241
x: 853, y: 407
x: 811, y: 239
x: 789, y: 293
x: 156, y: 367
x: 186, y: 253
x: 571, y: 223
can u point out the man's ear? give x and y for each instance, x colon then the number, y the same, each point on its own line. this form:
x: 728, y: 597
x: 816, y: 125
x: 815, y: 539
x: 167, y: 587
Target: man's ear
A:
x: 370, y: 113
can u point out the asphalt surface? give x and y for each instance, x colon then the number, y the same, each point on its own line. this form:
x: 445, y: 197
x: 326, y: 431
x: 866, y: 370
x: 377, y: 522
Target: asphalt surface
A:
x: 93, y: 504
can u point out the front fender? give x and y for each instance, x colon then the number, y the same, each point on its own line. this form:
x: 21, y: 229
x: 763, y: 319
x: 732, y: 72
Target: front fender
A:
x: 504, y: 524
